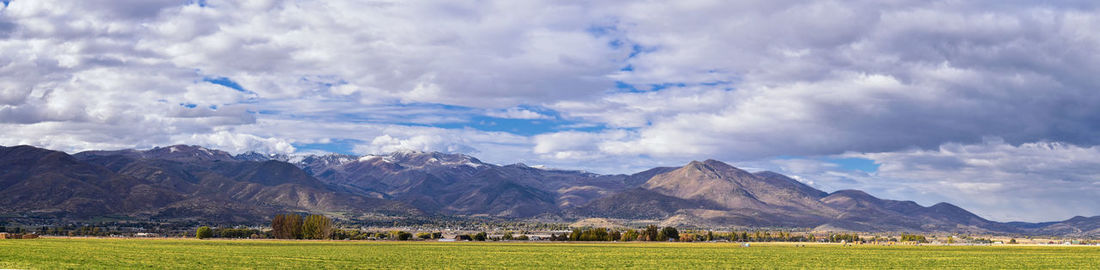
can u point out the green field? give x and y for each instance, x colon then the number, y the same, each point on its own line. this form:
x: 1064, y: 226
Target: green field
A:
x: 221, y: 254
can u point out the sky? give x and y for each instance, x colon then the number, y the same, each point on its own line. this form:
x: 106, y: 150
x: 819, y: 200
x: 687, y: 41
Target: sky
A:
x: 990, y: 105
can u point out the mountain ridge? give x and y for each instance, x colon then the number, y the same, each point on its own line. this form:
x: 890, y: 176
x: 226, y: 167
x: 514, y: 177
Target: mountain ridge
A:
x: 192, y: 182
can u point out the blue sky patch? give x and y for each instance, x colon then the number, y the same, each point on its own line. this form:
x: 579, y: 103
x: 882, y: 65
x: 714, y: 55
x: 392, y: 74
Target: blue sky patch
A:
x: 855, y: 164
x: 662, y: 86
x: 601, y: 30
x: 339, y: 146
x: 223, y: 81
x: 626, y: 87
x: 639, y: 49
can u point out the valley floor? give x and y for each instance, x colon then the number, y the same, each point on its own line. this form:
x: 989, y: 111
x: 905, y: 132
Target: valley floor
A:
x: 85, y: 253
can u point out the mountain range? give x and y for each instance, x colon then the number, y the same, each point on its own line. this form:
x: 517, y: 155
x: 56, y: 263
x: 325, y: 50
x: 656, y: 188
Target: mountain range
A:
x: 192, y: 183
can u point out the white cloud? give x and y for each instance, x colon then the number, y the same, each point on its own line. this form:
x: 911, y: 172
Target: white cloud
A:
x: 823, y: 78
x: 1040, y: 181
x: 759, y: 79
x: 387, y: 143
x: 236, y: 143
x: 517, y: 113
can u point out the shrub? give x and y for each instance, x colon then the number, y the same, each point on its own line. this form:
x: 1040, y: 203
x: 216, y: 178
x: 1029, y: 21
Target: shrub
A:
x: 402, y: 235
x: 204, y: 232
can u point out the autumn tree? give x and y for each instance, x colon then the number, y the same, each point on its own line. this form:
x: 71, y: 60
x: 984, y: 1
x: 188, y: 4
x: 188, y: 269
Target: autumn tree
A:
x: 317, y: 227
x: 651, y: 232
x: 287, y: 226
x: 629, y: 235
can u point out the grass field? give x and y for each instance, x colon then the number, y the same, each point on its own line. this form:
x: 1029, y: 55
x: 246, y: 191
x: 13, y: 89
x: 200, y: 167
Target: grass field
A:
x: 221, y: 254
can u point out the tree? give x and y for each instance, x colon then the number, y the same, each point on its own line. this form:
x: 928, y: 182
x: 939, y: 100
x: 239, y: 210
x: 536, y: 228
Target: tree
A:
x: 629, y: 235
x: 287, y: 226
x: 424, y: 235
x: 204, y: 232
x: 481, y: 236
x: 916, y: 238
x: 402, y: 235
x: 507, y: 236
x: 651, y: 232
x: 1012, y: 241
x: 668, y: 233
x: 241, y: 232
x: 437, y: 235
x: 317, y: 227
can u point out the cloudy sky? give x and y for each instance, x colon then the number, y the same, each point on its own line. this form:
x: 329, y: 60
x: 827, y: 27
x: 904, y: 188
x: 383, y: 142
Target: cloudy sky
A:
x: 991, y: 105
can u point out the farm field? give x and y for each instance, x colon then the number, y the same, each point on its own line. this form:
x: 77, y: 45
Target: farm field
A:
x: 54, y: 253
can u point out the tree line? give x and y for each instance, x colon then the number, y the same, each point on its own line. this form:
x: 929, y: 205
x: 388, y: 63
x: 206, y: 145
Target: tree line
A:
x: 654, y: 233
x: 649, y: 233
x: 294, y: 226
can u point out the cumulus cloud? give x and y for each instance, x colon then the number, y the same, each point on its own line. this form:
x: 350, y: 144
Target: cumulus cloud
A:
x: 237, y: 143
x: 1041, y: 181
x: 387, y: 143
x: 635, y: 84
x: 474, y: 54
x: 1033, y: 181
x: 823, y: 78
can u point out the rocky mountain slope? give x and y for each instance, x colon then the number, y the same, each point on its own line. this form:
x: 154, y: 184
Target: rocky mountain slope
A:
x: 175, y: 183
x: 713, y: 193
x: 455, y: 184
